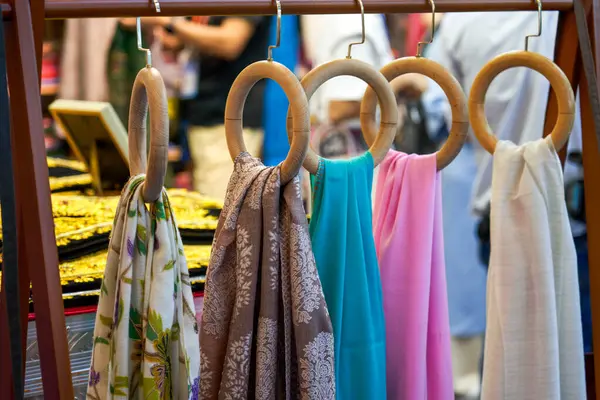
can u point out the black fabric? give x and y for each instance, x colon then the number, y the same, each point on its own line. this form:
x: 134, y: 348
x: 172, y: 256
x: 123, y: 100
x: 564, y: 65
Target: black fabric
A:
x: 483, y: 233
x: 413, y: 137
x: 575, y: 191
x: 10, y: 273
x: 217, y: 75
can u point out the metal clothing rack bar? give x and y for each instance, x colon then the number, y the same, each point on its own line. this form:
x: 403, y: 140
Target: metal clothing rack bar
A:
x: 36, y: 240
x: 114, y: 8
x: 59, y: 9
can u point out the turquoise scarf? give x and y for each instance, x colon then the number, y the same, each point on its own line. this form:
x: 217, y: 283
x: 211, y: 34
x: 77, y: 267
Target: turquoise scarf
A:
x: 342, y: 236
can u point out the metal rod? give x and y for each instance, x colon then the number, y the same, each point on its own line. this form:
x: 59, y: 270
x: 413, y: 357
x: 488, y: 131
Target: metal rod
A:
x: 421, y: 44
x: 138, y: 25
x: 59, y: 9
x: 539, y: 31
x: 363, y: 36
x: 278, y: 33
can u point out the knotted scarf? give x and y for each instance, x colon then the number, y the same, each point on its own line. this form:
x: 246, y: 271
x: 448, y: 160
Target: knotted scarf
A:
x: 146, y: 336
x: 533, y: 338
x: 266, y: 332
x: 410, y: 248
x: 342, y: 235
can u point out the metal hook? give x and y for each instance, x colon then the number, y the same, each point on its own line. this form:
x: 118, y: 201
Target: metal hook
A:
x: 139, y: 42
x: 539, y: 7
x: 278, y: 39
x: 138, y: 22
x: 362, y: 41
x: 421, y: 44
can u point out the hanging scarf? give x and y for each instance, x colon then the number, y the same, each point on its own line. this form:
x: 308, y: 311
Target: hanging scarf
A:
x: 266, y: 332
x: 533, y: 338
x: 146, y: 335
x: 410, y: 248
x: 342, y: 236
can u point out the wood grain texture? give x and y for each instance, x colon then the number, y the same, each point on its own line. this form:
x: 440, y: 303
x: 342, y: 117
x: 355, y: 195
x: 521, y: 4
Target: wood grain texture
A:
x: 149, y: 94
x: 568, y: 59
x: 450, y: 86
x: 359, y: 69
x: 591, y: 178
x: 37, y: 242
x: 39, y: 25
x: 558, y: 81
x: 234, y: 110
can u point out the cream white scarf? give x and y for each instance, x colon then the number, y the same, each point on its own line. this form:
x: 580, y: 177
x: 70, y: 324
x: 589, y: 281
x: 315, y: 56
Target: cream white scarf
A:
x: 533, y: 343
x: 146, y: 343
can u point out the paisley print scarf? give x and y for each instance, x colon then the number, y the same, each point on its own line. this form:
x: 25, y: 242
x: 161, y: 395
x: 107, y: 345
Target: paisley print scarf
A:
x: 266, y: 332
x: 146, y: 342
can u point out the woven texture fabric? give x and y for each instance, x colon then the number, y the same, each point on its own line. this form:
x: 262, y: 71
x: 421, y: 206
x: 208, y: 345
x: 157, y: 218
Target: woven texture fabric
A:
x: 146, y: 336
x: 266, y: 332
x: 342, y: 236
x: 410, y: 249
x: 533, y: 342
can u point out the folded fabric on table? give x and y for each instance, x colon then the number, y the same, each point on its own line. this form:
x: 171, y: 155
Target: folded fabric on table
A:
x: 82, y: 224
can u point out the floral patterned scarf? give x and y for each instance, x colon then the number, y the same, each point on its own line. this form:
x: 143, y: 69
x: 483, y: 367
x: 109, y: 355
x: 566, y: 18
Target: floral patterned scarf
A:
x: 146, y: 337
x: 266, y: 332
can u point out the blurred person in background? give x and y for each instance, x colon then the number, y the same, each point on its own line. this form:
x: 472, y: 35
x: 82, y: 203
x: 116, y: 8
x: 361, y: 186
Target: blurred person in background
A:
x: 174, y: 60
x: 515, y: 107
x: 225, y: 45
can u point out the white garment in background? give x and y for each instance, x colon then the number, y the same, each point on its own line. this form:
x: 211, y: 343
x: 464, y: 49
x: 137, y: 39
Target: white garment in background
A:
x: 85, y: 58
x: 533, y: 343
x: 326, y: 38
x: 515, y: 103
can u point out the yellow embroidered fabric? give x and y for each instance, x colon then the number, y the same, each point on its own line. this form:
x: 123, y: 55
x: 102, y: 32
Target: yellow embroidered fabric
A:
x: 78, y: 217
x: 75, y: 165
x: 64, y: 182
x: 90, y: 268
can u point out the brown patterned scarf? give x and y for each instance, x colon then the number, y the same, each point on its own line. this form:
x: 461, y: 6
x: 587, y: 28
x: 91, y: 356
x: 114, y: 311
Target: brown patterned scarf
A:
x: 266, y: 332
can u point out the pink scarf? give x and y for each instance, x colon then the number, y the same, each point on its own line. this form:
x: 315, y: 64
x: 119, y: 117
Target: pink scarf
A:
x: 410, y: 249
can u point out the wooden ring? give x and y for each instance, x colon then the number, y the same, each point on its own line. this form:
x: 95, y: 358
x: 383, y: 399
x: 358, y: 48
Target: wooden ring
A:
x: 450, y: 86
x: 558, y: 80
x: 389, y: 111
x: 149, y: 92
x: 234, y: 109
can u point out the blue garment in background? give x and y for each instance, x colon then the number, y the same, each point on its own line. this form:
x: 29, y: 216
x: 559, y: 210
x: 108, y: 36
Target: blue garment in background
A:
x: 465, y: 275
x: 342, y: 237
x: 276, y: 145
